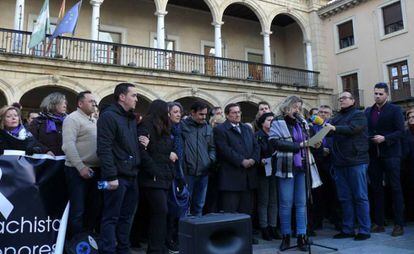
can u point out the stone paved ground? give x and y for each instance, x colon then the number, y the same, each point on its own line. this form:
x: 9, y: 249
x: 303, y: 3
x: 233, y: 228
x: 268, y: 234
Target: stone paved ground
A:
x: 381, y: 243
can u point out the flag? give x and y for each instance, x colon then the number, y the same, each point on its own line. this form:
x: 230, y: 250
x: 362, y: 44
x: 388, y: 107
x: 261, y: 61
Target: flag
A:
x: 62, y: 10
x: 69, y: 21
x: 41, y: 27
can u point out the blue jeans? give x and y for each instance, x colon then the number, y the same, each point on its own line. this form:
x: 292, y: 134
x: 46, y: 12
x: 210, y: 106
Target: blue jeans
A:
x: 351, y: 183
x: 117, y: 216
x: 292, y: 190
x: 197, y: 185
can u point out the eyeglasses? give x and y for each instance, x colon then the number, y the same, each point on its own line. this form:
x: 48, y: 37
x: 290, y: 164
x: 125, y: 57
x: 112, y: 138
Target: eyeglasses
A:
x: 324, y: 112
x: 344, y: 98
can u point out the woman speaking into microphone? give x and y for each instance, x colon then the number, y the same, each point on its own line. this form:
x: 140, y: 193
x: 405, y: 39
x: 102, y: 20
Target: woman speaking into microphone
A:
x: 288, y: 140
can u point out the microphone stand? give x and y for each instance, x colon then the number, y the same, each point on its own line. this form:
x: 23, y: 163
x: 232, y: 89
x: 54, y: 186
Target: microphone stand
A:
x: 308, y: 189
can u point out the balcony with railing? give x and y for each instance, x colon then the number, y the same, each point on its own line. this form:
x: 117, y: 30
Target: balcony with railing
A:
x: 15, y: 42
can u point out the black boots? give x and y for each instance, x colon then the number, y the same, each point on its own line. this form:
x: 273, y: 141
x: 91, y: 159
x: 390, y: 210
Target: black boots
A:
x: 302, y: 242
x: 285, y: 242
x: 266, y: 234
x: 274, y: 233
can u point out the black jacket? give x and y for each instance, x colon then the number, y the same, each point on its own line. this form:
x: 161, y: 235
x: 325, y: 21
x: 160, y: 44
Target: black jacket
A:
x: 30, y: 145
x: 390, y: 125
x: 232, y: 147
x: 350, y: 140
x: 53, y: 140
x: 118, y: 148
x: 199, y: 147
x: 159, y: 172
x: 266, y: 151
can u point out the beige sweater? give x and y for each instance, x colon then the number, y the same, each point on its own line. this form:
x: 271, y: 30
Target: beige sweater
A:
x: 79, y: 134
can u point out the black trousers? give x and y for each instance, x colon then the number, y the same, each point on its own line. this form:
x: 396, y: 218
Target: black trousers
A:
x: 390, y: 167
x: 237, y: 201
x: 85, y: 202
x: 157, y: 231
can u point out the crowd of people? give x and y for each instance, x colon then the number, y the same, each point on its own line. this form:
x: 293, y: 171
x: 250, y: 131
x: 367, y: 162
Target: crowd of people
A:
x: 215, y: 162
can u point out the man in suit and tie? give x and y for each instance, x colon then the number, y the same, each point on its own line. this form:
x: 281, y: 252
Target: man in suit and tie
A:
x: 385, y: 128
x: 238, y: 153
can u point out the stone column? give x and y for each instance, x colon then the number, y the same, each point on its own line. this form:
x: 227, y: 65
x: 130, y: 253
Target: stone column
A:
x: 160, y: 29
x: 19, y: 15
x: 309, y: 63
x: 309, y: 60
x: 96, y: 5
x: 266, y: 55
x: 218, y: 47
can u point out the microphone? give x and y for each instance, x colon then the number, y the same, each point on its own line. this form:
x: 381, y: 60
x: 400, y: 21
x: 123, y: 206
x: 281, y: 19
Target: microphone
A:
x: 317, y: 120
x: 302, y: 120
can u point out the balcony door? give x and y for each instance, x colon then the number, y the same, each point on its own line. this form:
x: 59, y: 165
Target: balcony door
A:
x: 109, y: 53
x: 399, y: 80
x: 255, y: 70
x: 169, y: 56
x: 210, y: 68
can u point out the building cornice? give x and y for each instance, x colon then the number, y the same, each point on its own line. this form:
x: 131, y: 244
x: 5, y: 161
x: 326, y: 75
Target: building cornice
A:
x: 337, y: 7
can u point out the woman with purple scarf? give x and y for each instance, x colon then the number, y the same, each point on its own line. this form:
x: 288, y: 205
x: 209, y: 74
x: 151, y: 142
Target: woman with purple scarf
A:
x: 47, y: 127
x: 14, y: 136
x: 287, y: 138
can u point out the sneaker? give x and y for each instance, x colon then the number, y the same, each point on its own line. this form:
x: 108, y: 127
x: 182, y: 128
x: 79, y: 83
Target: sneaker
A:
x: 377, y: 229
x: 172, y: 247
x: 362, y: 237
x: 397, y: 231
x: 343, y: 235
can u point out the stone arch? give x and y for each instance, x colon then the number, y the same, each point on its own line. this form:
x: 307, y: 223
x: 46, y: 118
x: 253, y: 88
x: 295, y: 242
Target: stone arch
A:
x: 297, y: 16
x: 251, y: 4
x: 8, y: 91
x: 245, y: 97
x: 48, y: 80
x: 193, y: 92
x: 32, y: 98
x: 143, y: 91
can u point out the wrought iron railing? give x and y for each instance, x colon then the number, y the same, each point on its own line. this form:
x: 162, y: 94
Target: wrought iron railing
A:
x: 81, y: 50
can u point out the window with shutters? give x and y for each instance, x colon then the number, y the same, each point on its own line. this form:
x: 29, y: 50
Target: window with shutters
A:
x: 350, y: 84
x: 346, y: 34
x: 392, y: 18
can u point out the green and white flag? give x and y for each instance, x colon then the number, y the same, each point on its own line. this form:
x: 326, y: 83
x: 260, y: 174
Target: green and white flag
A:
x: 41, y: 27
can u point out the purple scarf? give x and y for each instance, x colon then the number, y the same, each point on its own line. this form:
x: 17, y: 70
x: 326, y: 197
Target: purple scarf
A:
x: 51, y: 122
x: 15, y: 132
x: 298, y: 136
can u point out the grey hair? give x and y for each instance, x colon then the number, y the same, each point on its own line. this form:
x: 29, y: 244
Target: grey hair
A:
x: 172, y: 104
x: 50, y: 102
x: 287, y: 104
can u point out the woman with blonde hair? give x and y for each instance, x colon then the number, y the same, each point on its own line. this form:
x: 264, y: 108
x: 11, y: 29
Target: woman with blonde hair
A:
x: 13, y: 134
x: 288, y: 138
x: 47, y: 127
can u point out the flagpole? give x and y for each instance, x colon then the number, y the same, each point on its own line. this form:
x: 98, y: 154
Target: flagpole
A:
x: 74, y: 29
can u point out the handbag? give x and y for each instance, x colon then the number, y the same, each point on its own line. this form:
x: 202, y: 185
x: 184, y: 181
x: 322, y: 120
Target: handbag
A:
x: 179, y: 195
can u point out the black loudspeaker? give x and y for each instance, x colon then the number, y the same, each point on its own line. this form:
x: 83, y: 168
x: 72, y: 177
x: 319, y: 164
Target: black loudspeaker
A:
x: 216, y: 233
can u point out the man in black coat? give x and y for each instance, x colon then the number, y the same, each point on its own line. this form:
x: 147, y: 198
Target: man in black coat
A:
x: 350, y: 163
x: 385, y: 127
x: 118, y: 151
x: 237, y: 153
